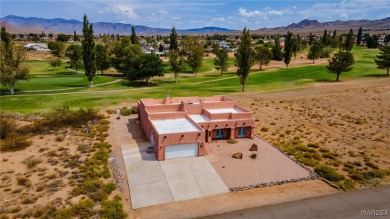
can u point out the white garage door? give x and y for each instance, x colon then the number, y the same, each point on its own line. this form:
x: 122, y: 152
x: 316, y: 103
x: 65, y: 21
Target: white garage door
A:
x: 181, y: 150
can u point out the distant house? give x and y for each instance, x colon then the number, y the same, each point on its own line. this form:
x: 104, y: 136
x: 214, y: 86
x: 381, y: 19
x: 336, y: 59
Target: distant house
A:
x: 37, y: 47
x: 149, y: 50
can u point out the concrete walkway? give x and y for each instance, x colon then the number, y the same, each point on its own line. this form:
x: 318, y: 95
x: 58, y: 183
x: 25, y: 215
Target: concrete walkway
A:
x: 366, y: 203
x: 153, y: 182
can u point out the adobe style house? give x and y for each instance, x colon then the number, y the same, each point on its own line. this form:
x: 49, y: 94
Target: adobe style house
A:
x: 180, y: 127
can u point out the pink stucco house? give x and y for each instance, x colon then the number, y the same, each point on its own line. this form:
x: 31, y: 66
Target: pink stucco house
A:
x: 180, y: 127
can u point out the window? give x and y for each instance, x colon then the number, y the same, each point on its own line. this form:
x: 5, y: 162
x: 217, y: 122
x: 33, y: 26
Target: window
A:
x: 241, y: 132
x: 219, y: 133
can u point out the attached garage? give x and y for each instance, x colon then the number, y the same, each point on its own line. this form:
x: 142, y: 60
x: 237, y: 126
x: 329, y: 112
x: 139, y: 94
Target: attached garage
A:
x: 181, y: 150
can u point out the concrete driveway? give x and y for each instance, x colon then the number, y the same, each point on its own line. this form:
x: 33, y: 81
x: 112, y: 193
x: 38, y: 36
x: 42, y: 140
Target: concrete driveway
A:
x: 153, y: 182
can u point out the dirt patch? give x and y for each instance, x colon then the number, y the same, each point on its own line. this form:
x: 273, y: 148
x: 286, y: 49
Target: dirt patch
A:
x: 347, y: 123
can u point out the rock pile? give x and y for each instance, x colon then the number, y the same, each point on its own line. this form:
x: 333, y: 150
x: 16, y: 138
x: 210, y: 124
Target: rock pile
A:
x: 237, y: 155
x: 269, y: 184
x: 116, y: 174
x: 254, y: 147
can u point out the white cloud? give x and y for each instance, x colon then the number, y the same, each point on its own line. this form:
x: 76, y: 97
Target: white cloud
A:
x: 221, y: 19
x: 124, y: 10
x: 242, y: 11
x: 343, y: 15
x: 344, y: 9
x: 101, y: 12
x: 163, y: 12
x: 273, y: 12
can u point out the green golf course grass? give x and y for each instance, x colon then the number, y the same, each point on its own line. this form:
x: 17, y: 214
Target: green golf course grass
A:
x: 205, y: 84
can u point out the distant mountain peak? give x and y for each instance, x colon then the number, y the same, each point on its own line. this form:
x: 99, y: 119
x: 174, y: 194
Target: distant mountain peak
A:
x: 304, y: 23
x: 60, y: 25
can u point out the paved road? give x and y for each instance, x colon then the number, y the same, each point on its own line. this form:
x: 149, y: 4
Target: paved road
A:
x: 375, y: 201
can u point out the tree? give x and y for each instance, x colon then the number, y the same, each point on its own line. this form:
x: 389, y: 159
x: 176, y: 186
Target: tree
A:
x: 216, y: 47
x: 221, y: 61
x: 173, y: 42
x: 149, y: 65
x: 340, y: 62
x: 372, y: 41
x: 63, y: 37
x: 88, y: 43
x: 174, y: 62
x: 383, y: 60
x: 311, y: 39
x: 315, y: 51
x: 325, y: 38
x: 75, y: 54
x: 359, y: 36
x: 160, y: 48
x: 55, y: 62
x: 277, y: 53
x: 102, y: 58
x: 263, y: 56
x: 348, y: 45
x: 334, y: 41
x: 13, y: 67
x: 128, y: 59
x: 244, y: 57
x: 195, y: 55
x: 133, y: 37
x: 57, y: 48
x: 288, y: 47
x: 387, y: 39
x: 296, y: 45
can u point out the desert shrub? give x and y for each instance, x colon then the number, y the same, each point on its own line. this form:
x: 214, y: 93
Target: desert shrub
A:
x: 325, y: 52
x: 125, y: 111
x: 101, y: 155
x: 372, y: 165
x: 336, y: 163
x: 302, y: 147
x: 313, y: 145
x: 105, y: 145
x: 110, y: 111
x: 113, y: 209
x: 94, y: 189
x: 264, y: 129
x: 348, y: 165
x: 60, y: 138
x: 317, y: 156
x: 253, y: 156
x: 351, y: 153
x: 32, y: 162
x: 7, y: 127
x: 64, y: 117
x: 15, y: 143
x: 288, y: 132
x: 28, y: 200
x: 4, y: 216
x: 324, y: 150
x: 328, y: 173
x: 232, y: 141
x: 104, y: 122
x: 83, y: 209
x: 347, y: 184
x: 307, y: 161
x: 102, y: 128
x: 23, y: 181
x: 328, y: 156
x: 134, y: 110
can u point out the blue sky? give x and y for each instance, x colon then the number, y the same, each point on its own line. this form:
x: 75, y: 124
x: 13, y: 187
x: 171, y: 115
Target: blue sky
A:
x: 186, y: 14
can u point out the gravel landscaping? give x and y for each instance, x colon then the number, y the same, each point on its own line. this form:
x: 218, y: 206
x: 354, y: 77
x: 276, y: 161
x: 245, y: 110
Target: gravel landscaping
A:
x: 270, y: 165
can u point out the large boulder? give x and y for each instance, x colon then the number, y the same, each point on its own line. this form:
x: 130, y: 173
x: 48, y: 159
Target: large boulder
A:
x: 237, y: 155
x: 254, y: 147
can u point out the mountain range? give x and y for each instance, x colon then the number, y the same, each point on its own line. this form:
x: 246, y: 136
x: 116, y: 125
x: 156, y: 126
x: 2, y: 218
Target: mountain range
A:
x: 17, y: 24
